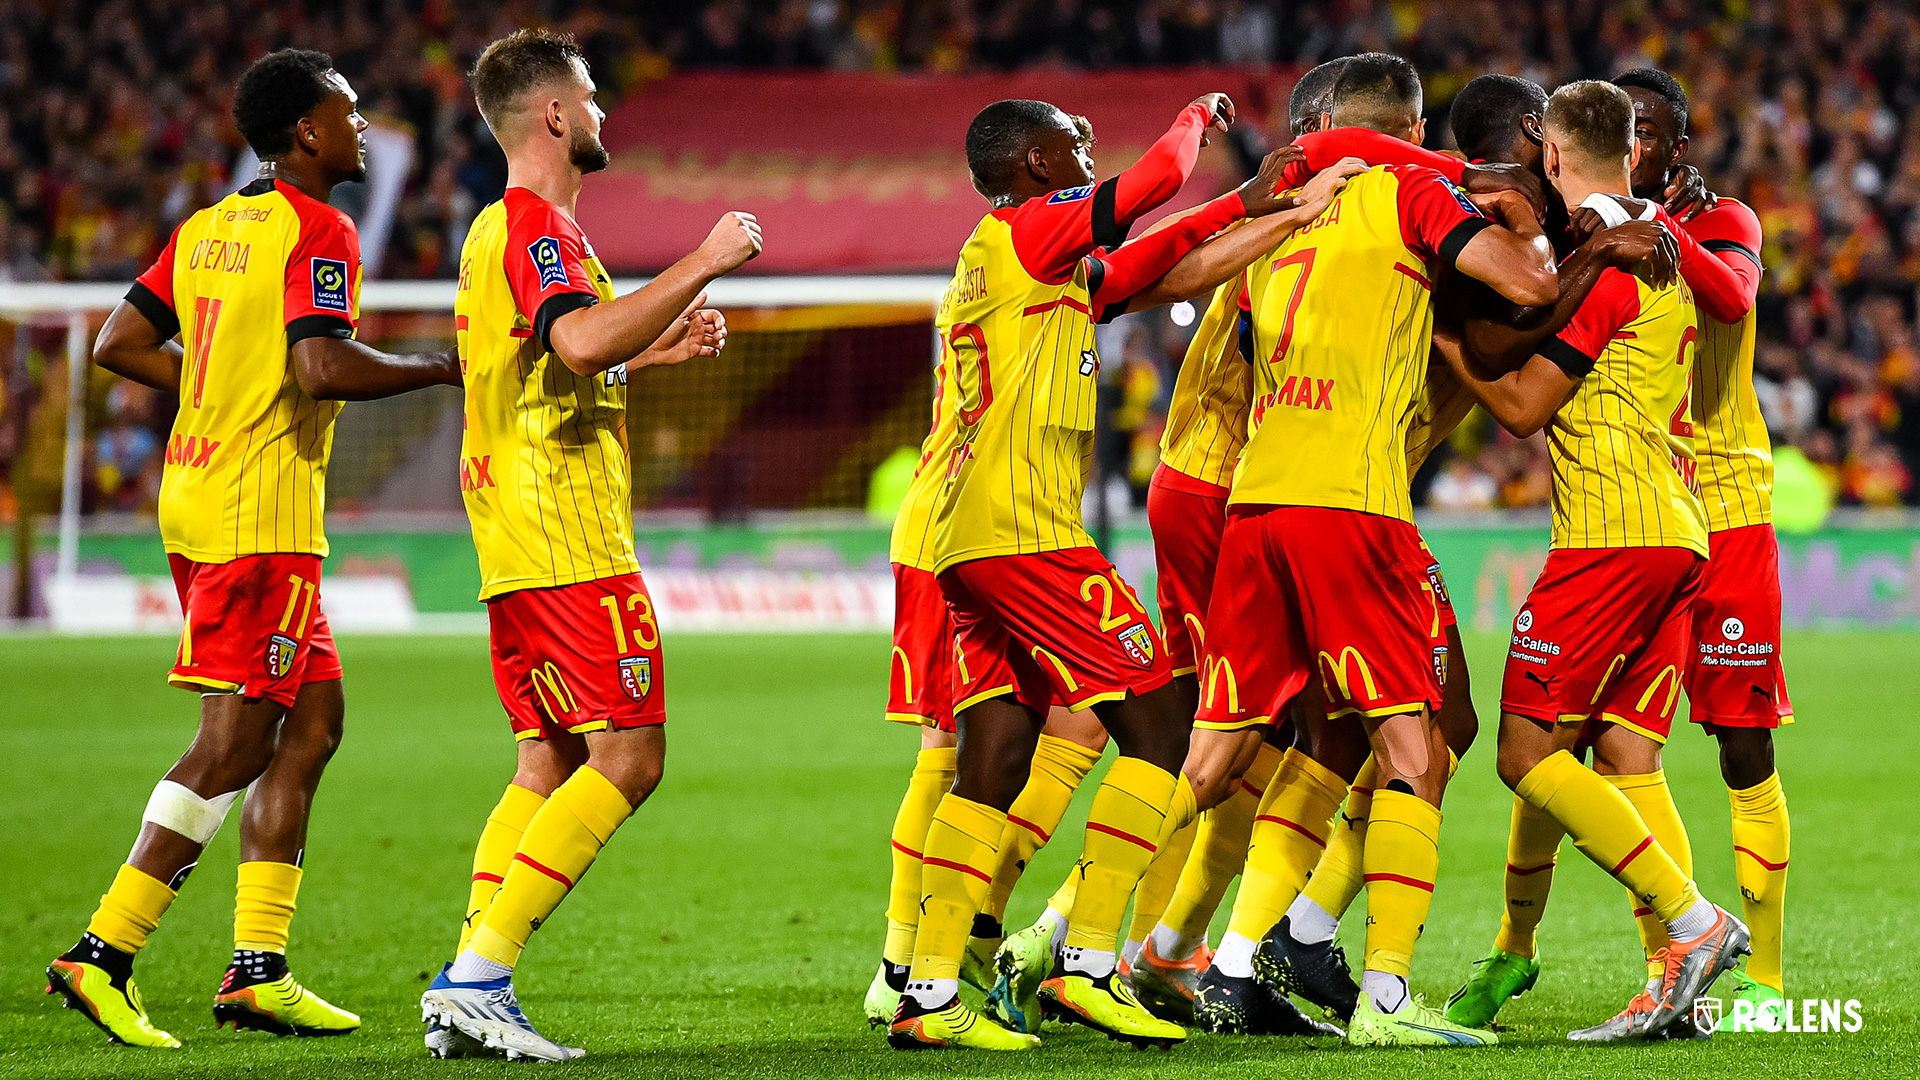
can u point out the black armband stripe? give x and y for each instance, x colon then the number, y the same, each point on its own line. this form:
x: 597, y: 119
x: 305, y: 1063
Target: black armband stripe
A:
x: 1732, y: 245
x: 307, y: 326
x: 157, y: 311
x: 1456, y: 240
x: 555, y: 307
x: 1245, y: 336
x: 1107, y: 230
x: 1567, y: 358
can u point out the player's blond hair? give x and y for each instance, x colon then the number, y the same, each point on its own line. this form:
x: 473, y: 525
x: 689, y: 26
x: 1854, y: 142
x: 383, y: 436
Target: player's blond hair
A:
x: 1591, y: 121
x: 522, y: 61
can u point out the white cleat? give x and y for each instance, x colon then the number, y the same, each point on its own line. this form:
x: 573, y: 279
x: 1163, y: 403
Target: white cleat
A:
x: 447, y: 1043
x: 489, y: 1014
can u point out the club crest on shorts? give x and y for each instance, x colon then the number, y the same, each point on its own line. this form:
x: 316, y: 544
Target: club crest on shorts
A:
x: 280, y: 652
x: 1138, y: 641
x: 636, y: 676
x: 1439, y: 583
x: 1440, y: 663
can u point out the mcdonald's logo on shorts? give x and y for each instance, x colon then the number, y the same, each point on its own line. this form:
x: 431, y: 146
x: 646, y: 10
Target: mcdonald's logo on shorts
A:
x: 1336, y: 672
x: 550, y: 686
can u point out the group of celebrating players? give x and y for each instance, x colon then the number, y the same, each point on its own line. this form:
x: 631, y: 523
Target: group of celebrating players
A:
x: 1296, y: 722
x: 1297, y: 715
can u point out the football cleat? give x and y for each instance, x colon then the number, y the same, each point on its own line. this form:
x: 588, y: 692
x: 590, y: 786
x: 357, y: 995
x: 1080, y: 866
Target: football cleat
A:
x: 951, y: 1025
x: 1022, y: 962
x: 1224, y: 1005
x: 976, y: 964
x: 1497, y: 978
x: 882, y: 1000
x: 1636, y: 1021
x: 489, y: 1013
x: 1692, y: 966
x: 1316, y: 972
x: 1684, y: 1029
x: 1166, y: 986
x: 1415, y: 1025
x: 1107, y: 1006
x: 447, y: 1043
x: 281, y: 1006
x: 111, y: 1002
x: 1769, y: 1008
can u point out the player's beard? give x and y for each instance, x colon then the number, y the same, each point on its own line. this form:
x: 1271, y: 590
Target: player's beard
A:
x: 586, y: 153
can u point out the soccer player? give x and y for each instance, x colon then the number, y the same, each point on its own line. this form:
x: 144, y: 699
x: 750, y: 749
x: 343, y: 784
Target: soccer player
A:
x: 1321, y: 570
x: 1040, y: 618
x: 1598, y: 647
x: 545, y: 350
x: 267, y: 281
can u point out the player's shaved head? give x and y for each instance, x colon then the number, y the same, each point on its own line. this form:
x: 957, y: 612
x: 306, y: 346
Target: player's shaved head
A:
x: 1486, y: 115
x: 1662, y: 85
x: 280, y: 90
x: 1004, y: 133
x: 1377, y: 91
x: 512, y: 68
x: 1313, y: 95
x: 1592, y: 124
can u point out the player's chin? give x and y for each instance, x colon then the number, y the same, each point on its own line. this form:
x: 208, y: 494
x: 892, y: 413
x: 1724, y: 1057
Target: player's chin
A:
x: 359, y: 172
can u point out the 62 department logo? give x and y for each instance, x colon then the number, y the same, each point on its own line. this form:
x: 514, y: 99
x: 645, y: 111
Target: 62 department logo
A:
x: 330, y: 285
x: 636, y: 676
x: 546, y: 259
x: 280, y: 653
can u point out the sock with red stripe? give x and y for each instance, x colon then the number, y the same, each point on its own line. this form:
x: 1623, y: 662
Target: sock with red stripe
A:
x: 491, y: 857
x: 1219, y: 851
x: 1156, y: 886
x: 1761, y: 838
x: 1289, y: 834
x: 561, y: 842
x: 1401, y: 860
x: 932, y: 776
x: 1533, y: 848
x: 1059, y: 766
x: 1607, y: 829
x: 1129, y: 816
x: 961, y: 847
x: 1653, y: 801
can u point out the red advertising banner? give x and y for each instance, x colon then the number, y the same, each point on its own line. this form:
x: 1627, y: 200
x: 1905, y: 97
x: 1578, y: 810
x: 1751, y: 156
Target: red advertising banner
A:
x: 860, y: 172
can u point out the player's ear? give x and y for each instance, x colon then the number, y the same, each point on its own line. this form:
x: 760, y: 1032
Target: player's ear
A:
x: 1419, y: 132
x: 1037, y: 163
x: 556, y: 119
x: 1633, y: 154
x: 1679, y: 149
x: 1530, y: 127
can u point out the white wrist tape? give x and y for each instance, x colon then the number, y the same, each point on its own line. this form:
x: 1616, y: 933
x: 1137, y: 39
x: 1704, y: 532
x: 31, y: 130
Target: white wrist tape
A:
x: 1612, y: 212
x: 176, y: 807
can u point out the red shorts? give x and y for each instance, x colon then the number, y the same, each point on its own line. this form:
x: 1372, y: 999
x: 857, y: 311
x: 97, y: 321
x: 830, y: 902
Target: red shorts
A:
x: 1603, y: 636
x: 1186, y: 516
x: 1054, y: 628
x: 920, y: 680
x: 254, y: 626
x: 1734, y: 676
x: 1306, y: 590
x: 581, y: 657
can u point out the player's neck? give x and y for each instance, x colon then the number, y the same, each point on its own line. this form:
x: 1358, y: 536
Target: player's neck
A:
x: 298, y: 173
x: 1575, y: 188
x: 558, y: 182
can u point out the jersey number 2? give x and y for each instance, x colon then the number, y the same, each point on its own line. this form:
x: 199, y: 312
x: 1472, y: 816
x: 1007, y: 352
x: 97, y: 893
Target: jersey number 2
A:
x: 1681, y: 423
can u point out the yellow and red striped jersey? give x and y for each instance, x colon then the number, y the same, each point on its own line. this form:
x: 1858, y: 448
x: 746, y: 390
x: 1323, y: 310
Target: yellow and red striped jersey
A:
x: 912, y: 540
x: 1207, y: 417
x: 544, y: 466
x: 1622, y: 446
x: 1343, y: 325
x: 1729, y: 431
x: 241, y: 281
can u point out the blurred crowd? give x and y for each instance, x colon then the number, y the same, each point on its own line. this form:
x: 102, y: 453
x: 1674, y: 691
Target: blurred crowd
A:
x: 114, y: 125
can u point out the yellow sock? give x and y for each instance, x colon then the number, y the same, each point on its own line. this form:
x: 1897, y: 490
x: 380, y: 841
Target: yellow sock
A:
x: 1761, y: 837
x: 1129, y: 812
x: 1156, y: 885
x: 131, y: 909
x: 1402, y: 859
x: 1607, y: 829
x: 1533, y: 847
x: 494, y: 854
x: 932, y: 776
x: 1059, y: 765
x: 1337, y: 878
x: 561, y: 842
x: 961, y: 846
x: 1219, y: 850
x: 263, y: 905
x: 1653, y: 801
x: 1289, y: 834
x: 1062, y: 899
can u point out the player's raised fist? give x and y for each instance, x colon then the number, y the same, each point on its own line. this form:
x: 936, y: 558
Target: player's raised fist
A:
x: 734, y: 240
x: 1220, y: 111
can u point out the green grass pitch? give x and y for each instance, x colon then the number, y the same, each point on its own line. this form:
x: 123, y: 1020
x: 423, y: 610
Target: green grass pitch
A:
x: 733, y: 926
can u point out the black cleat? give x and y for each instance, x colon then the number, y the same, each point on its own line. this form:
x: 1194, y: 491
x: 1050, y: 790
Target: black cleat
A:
x: 1318, y: 973
x: 1225, y: 1005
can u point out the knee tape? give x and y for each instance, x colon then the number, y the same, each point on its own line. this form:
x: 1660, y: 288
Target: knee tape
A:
x: 175, y: 806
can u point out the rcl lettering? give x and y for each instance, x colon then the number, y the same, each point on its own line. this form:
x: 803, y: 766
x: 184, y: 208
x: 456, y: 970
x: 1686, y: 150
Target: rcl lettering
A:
x: 193, y: 451
x: 474, y: 474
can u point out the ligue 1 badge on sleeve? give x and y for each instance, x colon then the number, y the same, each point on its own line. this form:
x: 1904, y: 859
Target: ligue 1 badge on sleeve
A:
x: 280, y: 650
x: 636, y: 676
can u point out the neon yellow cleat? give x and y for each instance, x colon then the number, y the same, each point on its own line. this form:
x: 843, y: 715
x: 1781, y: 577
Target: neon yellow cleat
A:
x: 1415, y: 1025
x: 1023, y: 960
x: 882, y: 1001
x: 283, y: 1007
x: 952, y: 1025
x: 113, y: 1004
x: 1107, y: 1006
x: 977, y: 967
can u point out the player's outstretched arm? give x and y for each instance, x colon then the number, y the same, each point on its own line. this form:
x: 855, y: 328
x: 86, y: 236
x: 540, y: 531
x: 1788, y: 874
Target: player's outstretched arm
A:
x: 589, y: 340
x: 1523, y: 401
x: 1514, y: 256
x: 342, y: 369
x: 1164, y: 168
x: 132, y: 347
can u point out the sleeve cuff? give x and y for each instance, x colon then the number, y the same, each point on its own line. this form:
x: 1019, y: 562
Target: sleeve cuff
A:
x: 307, y: 326
x: 555, y: 307
x: 1456, y: 240
x: 1717, y: 246
x: 1567, y: 358
x: 157, y: 311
